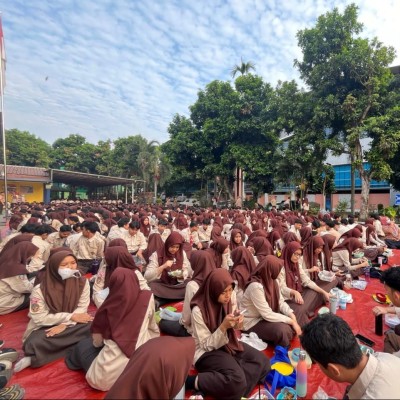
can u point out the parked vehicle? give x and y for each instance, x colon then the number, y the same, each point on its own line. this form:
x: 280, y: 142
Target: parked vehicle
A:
x: 190, y: 202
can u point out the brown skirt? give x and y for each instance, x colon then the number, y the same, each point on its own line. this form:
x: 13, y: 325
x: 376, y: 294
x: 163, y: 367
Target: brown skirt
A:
x: 43, y: 349
x: 170, y: 292
x: 225, y: 376
x: 277, y: 333
x: 303, y: 312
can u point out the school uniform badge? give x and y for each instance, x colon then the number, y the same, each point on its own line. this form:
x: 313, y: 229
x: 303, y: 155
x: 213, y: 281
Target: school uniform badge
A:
x: 34, y: 305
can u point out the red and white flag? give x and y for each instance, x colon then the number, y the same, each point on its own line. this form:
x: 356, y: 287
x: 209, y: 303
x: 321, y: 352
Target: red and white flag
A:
x: 2, y: 59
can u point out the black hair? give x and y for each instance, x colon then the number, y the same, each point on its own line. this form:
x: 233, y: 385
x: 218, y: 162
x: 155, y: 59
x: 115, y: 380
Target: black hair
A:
x: 193, y: 224
x: 162, y: 222
x: 331, y: 224
x: 123, y: 221
x: 73, y: 218
x: 351, y: 220
x: 298, y: 221
x: 134, y: 225
x: 206, y: 221
x: 316, y: 224
x: 76, y: 226
x: 329, y: 339
x: 28, y: 228
x: 91, y: 226
x: 391, y: 278
x: 345, y: 221
x: 42, y: 229
x: 65, y: 228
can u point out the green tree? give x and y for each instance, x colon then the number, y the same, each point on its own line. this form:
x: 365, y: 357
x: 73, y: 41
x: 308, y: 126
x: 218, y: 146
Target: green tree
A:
x: 74, y: 154
x: 147, y: 160
x: 24, y: 148
x: 125, y: 156
x: 349, y: 77
x: 242, y: 68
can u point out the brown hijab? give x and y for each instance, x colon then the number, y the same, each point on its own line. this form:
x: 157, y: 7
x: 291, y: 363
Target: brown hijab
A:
x: 292, y: 271
x: 262, y: 248
x: 233, y: 245
x: 61, y: 295
x: 202, y: 264
x: 145, y: 229
x: 349, y: 244
x: 316, y: 242
x: 155, y: 243
x: 306, y: 242
x: 121, y: 315
x: 267, y: 273
x: 23, y: 237
x: 41, y: 273
x: 153, y: 371
x: 117, y: 242
x: 217, y: 249
x: 212, y: 311
x: 164, y: 255
x: 329, y: 241
x: 117, y: 257
x: 356, y: 232
x: 243, y: 266
x: 289, y: 237
x: 14, y: 260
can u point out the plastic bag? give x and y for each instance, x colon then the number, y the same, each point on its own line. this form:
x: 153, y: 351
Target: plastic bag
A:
x: 170, y: 315
x: 320, y: 394
x: 281, y: 354
x: 253, y: 340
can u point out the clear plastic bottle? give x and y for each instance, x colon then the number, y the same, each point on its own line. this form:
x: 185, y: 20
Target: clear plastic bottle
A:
x: 301, y: 375
x: 367, y: 272
x: 347, y: 282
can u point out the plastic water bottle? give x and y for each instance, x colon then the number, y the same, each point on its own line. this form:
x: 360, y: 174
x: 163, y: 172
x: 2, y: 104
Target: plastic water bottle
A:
x: 301, y: 375
x: 367, y: 272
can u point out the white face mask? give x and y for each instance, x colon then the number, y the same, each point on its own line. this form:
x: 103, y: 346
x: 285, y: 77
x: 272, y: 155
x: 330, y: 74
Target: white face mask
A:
x: 67, y: 273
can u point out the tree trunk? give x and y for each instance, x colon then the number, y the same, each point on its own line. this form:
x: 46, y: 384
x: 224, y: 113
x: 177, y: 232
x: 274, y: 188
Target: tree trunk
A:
x: 155, y: 190
x: 228, y: 190
x: 365, y: 188
x: 352, y: 184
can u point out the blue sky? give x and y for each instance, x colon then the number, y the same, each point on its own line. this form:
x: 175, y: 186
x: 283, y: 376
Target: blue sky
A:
x: 108, y: 69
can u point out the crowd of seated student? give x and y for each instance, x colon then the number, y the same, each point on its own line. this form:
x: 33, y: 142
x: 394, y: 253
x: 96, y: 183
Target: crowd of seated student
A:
x: 265, y: 264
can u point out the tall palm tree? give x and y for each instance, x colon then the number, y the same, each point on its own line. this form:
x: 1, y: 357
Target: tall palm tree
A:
x: 243, y: 68
x: 145, y: 160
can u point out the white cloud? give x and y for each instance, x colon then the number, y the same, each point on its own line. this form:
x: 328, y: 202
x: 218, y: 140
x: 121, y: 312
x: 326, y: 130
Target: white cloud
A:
x: 126, y: 67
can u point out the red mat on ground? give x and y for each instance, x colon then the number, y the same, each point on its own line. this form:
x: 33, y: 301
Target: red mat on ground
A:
x: 56, y: 381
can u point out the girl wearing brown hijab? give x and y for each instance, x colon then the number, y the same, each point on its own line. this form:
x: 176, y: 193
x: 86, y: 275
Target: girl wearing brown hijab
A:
x: 262, y: 248
x: 58, y: 312
x: 155, y: 243
x: 15, y: 288
x: 114, y: 257
x: 300, y: 292
x: 219, y: 250
x: 154, y: 372
x: 267, y: 313
x: 122, y: 324
x: 318, y: 248
x: 145, y: 227
x: 202, y: 264
x: 243, y: 267
x: 228, y: 369
x: 342, y: 257
x: 237, y: 239
x: 169, y: 269
x: 329, y: 244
